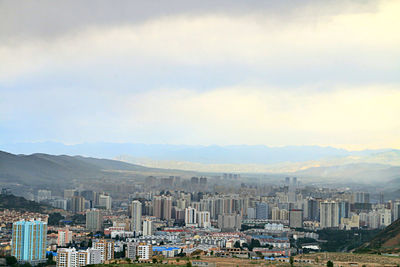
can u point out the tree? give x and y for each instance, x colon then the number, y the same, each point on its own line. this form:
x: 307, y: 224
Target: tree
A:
x: 329, y: 264
x: 55, y: 218
x: 237, y: 244
x: 154, y: 260
x: 188, y: 264
x: 11, y: 260
x: 291, y: 261
x: 255, y: 243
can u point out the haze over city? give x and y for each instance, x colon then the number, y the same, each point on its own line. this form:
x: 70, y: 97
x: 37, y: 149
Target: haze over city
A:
x: 199, y: 133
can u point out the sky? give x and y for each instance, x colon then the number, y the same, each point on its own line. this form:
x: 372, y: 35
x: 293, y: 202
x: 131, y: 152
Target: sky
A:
x: 272, y: 73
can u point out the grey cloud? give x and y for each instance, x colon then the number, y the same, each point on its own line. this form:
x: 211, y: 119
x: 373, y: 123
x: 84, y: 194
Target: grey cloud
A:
x: 20, y: 20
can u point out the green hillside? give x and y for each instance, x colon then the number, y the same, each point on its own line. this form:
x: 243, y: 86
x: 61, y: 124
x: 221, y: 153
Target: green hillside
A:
x: 50, y: 171
x: 386, y: 241
x: 12, y: 202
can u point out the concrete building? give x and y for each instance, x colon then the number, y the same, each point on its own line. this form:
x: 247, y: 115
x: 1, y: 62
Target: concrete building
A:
x: 64, y: 237
x: 162, y: 207
x: 105, y: 201
x: 229, y: 222
x: 203, y: 219
x: 77, y: 204
x: 190, y: 216
x: 275, y: 214
x: 130, y: 251
x: 329, y: 214
x: 296, y: 218
x: 28, y: 242
x: 144, y: 252
x: 106, y: 248
x: 136, y: 211
x: 262, y: 211
x: 94, y: 220
x: 148, y: 228
x: 70, y: 257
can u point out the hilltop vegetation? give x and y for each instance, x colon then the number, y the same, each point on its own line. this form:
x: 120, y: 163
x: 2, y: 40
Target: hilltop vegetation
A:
x: 386, y: 241
x: 12, y: 202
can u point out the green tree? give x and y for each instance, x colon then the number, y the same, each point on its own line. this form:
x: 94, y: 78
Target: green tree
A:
x: 154, y: 260
x: 237, y: 244
x: 291, y: 261
x: 11, y: 260
x: 55, y: 218
x: 329, y: 264
x: 188, y: 264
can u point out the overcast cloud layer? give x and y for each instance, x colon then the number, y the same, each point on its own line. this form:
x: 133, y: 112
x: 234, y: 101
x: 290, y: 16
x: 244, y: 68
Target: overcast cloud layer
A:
x: 201, y: 72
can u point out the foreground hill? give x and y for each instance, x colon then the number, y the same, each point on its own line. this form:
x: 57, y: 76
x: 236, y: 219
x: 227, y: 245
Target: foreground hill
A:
x: 59, y: 171
x: 386, y: 241
x: 12, y: 202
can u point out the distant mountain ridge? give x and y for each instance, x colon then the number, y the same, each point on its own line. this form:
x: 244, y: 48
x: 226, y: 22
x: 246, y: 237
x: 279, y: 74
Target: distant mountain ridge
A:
x: 213, y: 154
x: 59, y: 171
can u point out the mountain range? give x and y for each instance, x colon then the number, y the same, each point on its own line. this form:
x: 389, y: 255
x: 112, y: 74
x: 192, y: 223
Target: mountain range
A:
x: 50, y: 171
x: 213, y: 154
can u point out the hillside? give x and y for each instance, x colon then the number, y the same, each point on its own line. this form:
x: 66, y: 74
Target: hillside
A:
x: 386, y: 241
x: 60, y: 171
x: 12, y: 202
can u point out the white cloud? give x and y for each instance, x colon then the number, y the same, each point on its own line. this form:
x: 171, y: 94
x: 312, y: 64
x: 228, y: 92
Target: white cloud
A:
x: 344, y: 68
x: 367, y: 39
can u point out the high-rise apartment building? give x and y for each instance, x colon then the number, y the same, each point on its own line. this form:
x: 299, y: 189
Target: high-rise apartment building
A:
x: 284, y: 215
x: 296, y: 218
x: 360, y: 197
x: 144, y: 252
x: 262, y: 210
x: 136, y: 211
x: 77, y: 204
x: 69, y: 193
x: 148, y: 227
x: 94, y: 220
x: 203, y: 219
x: 329, y: 214
x: 28, y: 242
x: 105, y: 201
x: 130, y: 251
x: 229, y: 222
x: 311, y: 209
x: 64, y: 237
x: 162, y: 207
x: 106, y: 248
x: 275, y: 214
x: 190, y: 216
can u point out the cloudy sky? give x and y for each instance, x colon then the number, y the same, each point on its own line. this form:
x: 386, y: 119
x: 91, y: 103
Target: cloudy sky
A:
x: 201, y: 72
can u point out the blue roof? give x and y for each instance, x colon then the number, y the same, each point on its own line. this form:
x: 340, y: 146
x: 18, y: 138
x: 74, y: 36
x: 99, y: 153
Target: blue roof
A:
x: 164, y: 248
x: 53, y: 253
